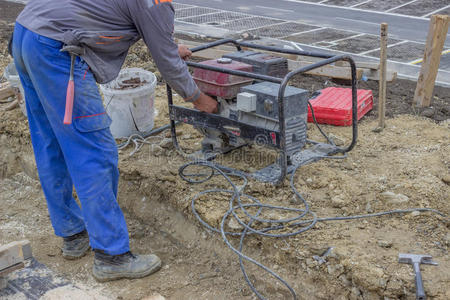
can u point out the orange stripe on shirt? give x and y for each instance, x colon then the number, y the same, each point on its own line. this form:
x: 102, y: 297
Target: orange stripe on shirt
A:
x: 111, y: 37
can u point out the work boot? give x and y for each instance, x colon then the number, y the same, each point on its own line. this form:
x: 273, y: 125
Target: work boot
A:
x: 75, y: 246
x: 127, y: 265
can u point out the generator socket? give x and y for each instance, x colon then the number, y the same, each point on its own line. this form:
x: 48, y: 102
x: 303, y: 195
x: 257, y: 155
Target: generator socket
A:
x: 246, y: 102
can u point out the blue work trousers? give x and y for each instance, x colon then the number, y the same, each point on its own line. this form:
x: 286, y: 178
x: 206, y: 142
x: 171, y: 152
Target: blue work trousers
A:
x: 83, y: 154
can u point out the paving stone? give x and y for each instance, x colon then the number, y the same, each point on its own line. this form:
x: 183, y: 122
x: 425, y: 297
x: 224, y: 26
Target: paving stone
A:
x: 382, y: 5
x: 322, y: 35
x: 406, y: 52
x: 193, y: 11
x: 215, y: 19
x: 361, y: 43
x: 421, y: 7
x: 281, y: 30
x: 250, y: 23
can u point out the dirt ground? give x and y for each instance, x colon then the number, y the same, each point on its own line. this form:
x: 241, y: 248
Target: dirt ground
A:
x: 407, y: 165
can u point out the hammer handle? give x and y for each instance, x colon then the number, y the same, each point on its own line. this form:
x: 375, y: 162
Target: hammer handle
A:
x: 420, y: 291
x: 69, y: 102
x: 70, y: 93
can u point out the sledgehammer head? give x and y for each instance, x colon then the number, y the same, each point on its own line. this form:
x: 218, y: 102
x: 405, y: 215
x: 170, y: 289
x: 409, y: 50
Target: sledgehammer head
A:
x: 416, y: 259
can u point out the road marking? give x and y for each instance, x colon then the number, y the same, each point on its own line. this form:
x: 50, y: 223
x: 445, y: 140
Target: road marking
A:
x: 318, y: 2
x: 357, y: 21
x: 346, y: 38
x: 420, y: 60
x: 388, y: 46
x: 302, y: 32
x: 437, y: 10
x: 361, y: 3
x: 401, y: 5
x: 259, y: 27
x: 272, y: 8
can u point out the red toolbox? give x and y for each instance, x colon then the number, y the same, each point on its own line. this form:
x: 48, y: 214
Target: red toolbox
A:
x: 334, y: 106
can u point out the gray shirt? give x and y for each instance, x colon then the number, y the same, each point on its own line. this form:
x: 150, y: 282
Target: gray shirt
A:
x: 107, y: 28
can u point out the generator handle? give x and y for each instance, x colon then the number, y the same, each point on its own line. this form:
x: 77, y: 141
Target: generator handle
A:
x: 240, y: 44
x: 215, y: 44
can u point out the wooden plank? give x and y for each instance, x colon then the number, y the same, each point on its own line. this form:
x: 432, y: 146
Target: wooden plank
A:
x: 6, y: 91
x: 437, y: 34
x: 11, y: 269
x: 360, y: 64
x: 375, y: 75
x: 14, y: 253
x: 328, y: 71
x: 371, y: 70
x: 382, y: 82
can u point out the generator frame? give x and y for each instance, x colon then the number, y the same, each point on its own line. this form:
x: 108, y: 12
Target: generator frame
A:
x: 198, y: 118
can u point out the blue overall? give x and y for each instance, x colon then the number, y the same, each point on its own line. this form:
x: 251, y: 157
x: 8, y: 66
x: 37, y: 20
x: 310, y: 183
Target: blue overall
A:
x: 83, y: 154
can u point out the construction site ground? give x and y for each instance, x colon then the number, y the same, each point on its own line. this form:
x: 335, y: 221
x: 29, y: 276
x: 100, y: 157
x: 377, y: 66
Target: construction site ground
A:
x: 405, y: 166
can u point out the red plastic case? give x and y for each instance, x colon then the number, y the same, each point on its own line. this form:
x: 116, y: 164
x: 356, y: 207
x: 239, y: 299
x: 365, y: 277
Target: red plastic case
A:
x: 220, y: 84
x: 334, y: 106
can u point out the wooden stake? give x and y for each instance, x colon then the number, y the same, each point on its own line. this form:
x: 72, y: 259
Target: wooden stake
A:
x: 437, y: 34
x: 382, y: 72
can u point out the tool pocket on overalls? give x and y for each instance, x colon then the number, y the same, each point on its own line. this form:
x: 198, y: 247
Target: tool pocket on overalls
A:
x: 51, y: 49
x: 90, y: 123
x: 89, y: 112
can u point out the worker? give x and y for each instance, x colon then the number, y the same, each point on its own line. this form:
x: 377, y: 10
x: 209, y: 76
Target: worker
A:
x: 84, y: 153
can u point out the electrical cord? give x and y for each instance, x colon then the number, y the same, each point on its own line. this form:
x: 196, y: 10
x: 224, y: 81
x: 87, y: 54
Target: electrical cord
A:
x: 296, y: 225
x: 278, y: 228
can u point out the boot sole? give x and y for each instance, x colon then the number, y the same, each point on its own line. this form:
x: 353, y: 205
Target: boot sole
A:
x: 104, y: 277
x: 76, y: 255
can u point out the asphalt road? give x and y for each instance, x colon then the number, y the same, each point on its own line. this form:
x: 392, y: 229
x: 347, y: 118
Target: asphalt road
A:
x: 400, y: 26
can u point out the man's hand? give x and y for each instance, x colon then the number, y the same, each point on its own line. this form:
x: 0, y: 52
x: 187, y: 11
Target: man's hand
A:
x: 206, y: 104
x: 184, y: 52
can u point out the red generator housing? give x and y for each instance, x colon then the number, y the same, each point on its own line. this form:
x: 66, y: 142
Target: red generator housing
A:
x: 334, y: 106
x: 222, y: 85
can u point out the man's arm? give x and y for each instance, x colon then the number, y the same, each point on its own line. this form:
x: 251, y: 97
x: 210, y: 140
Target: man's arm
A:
x: 154, y: 20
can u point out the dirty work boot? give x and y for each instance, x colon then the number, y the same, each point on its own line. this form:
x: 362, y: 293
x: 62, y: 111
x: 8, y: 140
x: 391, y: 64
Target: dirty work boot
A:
x: 127, y: 265
x: 75, y: 246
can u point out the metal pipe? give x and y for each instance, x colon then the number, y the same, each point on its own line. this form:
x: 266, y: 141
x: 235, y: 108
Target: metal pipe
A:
x: 285, y: 50
x: 214, y: 44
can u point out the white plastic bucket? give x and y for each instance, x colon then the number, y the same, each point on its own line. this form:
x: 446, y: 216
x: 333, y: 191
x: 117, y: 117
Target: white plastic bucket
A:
x: 14, y: 80
x: 131, y: 110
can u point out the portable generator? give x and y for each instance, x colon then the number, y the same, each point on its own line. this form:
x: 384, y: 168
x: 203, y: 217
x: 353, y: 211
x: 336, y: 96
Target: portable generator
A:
x: 256, y: 106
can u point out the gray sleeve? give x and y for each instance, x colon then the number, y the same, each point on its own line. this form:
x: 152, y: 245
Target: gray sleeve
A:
x: 155, y: 24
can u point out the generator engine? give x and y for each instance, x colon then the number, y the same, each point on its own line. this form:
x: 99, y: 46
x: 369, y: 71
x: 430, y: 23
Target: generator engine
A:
x: 255, y: 104
x: 263, y: 63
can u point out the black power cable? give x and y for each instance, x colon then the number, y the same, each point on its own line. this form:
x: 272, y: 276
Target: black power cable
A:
x: 296, y: 225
